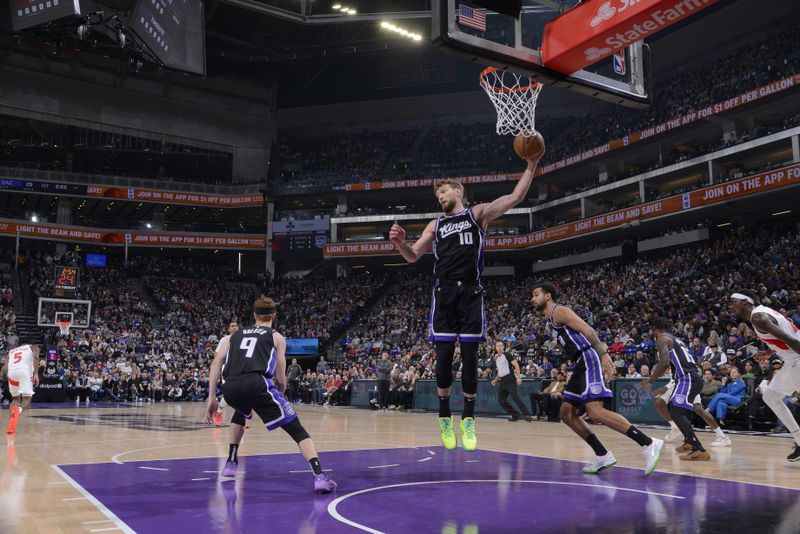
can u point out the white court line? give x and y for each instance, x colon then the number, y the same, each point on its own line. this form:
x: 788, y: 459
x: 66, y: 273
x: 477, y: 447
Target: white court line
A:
x: 339, y: 517
x: 382, y: 447
x: 97, y: 522
x: 382, y: 466
x: 432, y: 453
x: 76, y: 499
x: 105, y: 511
x: 105, y: 529
x: 57, y: 483
x: 472, y: 461
x: 677, y: 473
x: 309, y: 471
x: 426, y: 459
x: 215, y: 472
x: 196, y: 479
x: 154, y: 468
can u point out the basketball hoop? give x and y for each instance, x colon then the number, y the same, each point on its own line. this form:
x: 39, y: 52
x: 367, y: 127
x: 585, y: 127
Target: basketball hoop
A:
x: 64, y: 325
x: 514, y: 97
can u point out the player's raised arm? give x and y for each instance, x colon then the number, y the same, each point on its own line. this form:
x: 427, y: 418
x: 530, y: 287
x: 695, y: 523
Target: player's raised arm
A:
x: 412, y: 253
x: 499, y: 206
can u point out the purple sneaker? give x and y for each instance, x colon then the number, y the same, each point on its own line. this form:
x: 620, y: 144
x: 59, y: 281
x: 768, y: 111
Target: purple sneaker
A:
x: 323, y: 484
x: 229, y: 471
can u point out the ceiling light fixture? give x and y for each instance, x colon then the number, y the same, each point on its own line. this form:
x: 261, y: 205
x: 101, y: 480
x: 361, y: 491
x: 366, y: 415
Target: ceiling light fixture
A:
x: 401, y: 31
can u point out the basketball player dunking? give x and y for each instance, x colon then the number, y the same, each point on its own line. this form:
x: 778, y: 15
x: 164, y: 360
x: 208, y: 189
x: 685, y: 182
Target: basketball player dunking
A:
x: 21, y: 369
x: 253, y: 368
x: 588, y: 386
x: 783, y: 337
x: 457, y: 312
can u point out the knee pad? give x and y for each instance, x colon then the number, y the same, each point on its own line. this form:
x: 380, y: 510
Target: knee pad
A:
x: 296, y: 430
x: 444, y: 363
x: 469, y: 373
x: 772, y: 397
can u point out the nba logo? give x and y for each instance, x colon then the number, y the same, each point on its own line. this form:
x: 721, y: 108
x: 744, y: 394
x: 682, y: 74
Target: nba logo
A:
x: 687, y: 201
x: 619, y: 62
x: 128, y: 238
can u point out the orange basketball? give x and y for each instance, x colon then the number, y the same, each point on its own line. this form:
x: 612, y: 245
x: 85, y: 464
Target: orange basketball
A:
x: 529, y: 147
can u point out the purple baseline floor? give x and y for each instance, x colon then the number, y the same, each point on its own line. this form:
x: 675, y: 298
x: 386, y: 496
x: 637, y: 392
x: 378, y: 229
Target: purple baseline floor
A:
x: 428, y: 490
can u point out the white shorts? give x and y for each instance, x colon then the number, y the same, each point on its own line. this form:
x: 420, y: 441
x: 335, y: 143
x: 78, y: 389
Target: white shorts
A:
x: 20, y: 383
x: 787, y: 380
x: 671, y: 388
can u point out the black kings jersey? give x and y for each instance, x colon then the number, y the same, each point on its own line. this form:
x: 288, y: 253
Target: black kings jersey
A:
x: 682, y: 362
x: 251, y: 350
x: 574, y: 343
x: 458, y: 247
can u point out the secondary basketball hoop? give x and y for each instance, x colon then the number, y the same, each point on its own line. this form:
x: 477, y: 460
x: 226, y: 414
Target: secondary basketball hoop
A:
x: 64, y: 326
x: 514, y: 97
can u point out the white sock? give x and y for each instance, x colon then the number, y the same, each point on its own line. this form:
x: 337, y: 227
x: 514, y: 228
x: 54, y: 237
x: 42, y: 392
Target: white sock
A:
x: 673, y: 426
x: 720, y: 434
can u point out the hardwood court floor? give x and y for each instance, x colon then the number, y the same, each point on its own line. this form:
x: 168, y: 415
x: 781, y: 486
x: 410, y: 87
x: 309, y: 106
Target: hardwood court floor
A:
x: 36, y: 498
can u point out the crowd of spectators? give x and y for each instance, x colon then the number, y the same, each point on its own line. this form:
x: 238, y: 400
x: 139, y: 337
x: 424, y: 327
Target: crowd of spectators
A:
x: 689, y: 286
x: 447, y: 150
x: 152, y: 337
x: 155, y: 325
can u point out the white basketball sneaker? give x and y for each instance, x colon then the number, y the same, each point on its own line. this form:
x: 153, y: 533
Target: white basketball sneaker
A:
x: 652, y: 454
x: 600, y: 463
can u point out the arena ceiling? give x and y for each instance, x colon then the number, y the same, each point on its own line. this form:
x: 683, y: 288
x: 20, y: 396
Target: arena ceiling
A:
x: 317, y: 55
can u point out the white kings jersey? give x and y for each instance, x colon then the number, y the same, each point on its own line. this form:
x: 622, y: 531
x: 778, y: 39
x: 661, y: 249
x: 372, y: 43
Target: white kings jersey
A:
x: 21, y: 358
x: 788, y: 356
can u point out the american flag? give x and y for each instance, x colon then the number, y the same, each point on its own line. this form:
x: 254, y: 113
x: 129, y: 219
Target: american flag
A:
x: 474, y: 18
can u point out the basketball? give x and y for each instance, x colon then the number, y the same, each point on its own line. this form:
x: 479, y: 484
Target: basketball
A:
x: 529, y: 147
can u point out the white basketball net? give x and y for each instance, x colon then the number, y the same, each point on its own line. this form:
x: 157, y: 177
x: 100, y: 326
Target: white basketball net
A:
x: 63, y: 326
x: 514, y: 97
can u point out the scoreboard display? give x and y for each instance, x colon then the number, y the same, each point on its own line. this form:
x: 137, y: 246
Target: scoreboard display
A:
x: 298, y: 245
x: 27, y: 13
x: 66, y: 279
x: 174, y: 30
x: 299, y: 239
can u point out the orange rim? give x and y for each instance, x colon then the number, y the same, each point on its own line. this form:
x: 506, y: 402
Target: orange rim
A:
x: 489, y: 70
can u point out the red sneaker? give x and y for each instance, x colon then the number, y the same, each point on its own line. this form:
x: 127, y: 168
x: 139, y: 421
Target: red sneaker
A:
x: 13, y: 419
x: 218, y: 418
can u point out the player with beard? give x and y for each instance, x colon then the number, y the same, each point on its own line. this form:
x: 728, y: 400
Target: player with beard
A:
x: 587, y: 386
x: 457, y: 309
